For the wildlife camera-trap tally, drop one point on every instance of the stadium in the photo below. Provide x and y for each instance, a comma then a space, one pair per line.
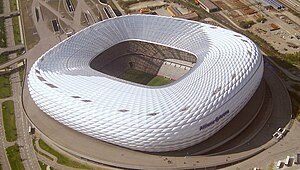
78, 82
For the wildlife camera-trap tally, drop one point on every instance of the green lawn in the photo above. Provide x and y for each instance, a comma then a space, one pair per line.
21, 74
2, 34
74, 3
3, 58
5, 87
44, 166
1, 6
61, 159
41, 153
159, 81
13, 5
31, 38
9, 120
2, 28
14, 158
54, 4
16, 29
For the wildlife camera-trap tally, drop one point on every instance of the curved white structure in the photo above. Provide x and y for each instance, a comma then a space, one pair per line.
228, 71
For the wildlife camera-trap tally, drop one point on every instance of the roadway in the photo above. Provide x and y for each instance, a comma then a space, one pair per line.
27, 154
4, 143
293, 4
24, 140
47, 42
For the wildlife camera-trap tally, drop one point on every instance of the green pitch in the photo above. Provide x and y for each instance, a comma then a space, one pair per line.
144, 78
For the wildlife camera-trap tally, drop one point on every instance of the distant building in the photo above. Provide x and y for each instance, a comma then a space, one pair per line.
274, 27
208, 5
173, 11
275, 4
264, 5
144, 11
189, 16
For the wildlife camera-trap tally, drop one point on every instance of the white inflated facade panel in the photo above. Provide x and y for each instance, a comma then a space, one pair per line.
228, 71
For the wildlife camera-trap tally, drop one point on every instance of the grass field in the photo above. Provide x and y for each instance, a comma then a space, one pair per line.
159, 81
61, 159
137, 76
2, 34
3, 58
31, 36
14, 158
16, 29
44, 166
9, 121
5, 87
21, 75
41, 153
2, 28
13, 5
144, 78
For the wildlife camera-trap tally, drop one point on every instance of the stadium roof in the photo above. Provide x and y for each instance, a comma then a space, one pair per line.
227, 72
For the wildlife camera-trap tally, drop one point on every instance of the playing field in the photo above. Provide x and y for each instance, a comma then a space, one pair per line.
144, 78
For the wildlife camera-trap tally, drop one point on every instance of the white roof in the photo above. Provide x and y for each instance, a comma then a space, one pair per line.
163, 118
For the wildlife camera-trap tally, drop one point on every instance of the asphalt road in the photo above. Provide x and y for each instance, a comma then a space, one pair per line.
27, 153
45, 43
24, 140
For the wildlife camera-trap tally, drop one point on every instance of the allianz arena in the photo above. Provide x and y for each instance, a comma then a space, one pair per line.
227, 71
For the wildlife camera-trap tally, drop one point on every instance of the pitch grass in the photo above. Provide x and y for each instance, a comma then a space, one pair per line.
14, 158
159, 81
140, 77
9, 120
5, 87
137, 76
61, 159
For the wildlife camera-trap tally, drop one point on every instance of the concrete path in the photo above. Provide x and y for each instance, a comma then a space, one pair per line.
12, 49
27, 155
92, 147
24, 139
9, 14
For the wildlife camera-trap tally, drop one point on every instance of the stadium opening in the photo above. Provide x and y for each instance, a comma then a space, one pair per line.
144, 62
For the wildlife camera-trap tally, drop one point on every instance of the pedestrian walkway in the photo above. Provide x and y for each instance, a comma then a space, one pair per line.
10, 14
12, 49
